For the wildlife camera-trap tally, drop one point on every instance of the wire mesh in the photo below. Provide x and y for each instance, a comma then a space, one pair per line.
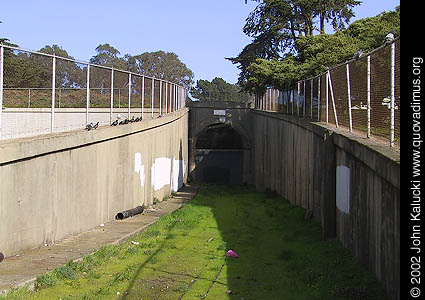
380, 92
358, 90
136, 96
100, 87
397, 93
148, 93
340, 96
27, 80
27, 83
156, 94
82, 93
120, 95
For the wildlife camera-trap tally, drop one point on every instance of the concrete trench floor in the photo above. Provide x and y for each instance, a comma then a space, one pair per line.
22, 269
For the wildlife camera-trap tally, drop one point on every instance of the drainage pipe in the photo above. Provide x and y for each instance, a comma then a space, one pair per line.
129, 213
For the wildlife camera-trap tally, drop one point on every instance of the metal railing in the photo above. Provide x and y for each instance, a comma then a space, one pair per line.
43, 93
362, 95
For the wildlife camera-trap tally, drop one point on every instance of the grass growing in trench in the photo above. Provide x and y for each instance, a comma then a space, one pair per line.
282, 256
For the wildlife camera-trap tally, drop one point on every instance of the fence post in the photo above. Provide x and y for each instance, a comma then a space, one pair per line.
52, 120
88, 94
143, 95
333, 99
311, 99
292, 105
392, 93
160, 97
350, 117
152, 95
304, 99
129, 95
1, 86
368, 96
319, 107
327, 97
166, 97
112, 96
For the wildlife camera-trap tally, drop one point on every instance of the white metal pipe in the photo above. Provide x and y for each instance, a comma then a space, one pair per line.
112, 96
152, 95
52, 120
129, 95
160, 97
333, 99
1, 86
304, 99
392, 94
318, 100
311, 99
327, 97
368, 96
88, 94
143, 95
350, 116
292, 112
166, 97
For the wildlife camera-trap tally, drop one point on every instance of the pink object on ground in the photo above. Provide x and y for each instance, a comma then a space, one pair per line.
232, 253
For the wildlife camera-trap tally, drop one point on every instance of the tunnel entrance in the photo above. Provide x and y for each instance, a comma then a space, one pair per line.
219, 155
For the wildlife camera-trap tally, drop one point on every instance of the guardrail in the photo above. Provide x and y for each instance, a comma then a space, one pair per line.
362, 94
35, 80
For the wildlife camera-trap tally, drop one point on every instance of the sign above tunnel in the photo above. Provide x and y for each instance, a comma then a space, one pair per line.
219, 112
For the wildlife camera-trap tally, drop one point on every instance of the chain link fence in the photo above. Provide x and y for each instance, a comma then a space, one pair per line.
362, 95
42, 93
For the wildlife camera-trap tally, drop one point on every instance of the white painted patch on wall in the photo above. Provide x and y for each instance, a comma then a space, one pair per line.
139, 168
161, 170
343, 188
179, 169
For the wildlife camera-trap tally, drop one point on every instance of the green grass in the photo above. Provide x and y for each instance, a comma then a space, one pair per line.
282, 256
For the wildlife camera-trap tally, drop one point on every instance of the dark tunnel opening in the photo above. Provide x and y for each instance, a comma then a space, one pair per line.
219, 155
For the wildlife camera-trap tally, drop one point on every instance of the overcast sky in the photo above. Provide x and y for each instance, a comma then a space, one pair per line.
201, 32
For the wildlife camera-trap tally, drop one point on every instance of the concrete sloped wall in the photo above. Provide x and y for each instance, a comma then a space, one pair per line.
56, 185
296, 159
351, 185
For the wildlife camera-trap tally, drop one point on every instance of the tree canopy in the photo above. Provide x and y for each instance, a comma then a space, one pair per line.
163, 65
284, 48
218, 90
25, 69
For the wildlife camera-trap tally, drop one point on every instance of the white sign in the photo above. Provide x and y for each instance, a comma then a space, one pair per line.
219, 112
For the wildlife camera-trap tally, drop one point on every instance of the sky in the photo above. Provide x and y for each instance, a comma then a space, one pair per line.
201, 32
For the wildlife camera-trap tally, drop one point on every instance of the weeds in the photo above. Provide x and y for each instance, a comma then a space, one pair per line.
282, 256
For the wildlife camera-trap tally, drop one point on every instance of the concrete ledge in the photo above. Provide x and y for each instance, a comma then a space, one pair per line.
24, 148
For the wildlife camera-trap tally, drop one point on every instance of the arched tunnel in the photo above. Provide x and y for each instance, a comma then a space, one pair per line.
219, 155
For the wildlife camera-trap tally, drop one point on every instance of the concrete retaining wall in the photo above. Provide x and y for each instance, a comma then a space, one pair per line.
56, 185
350, 184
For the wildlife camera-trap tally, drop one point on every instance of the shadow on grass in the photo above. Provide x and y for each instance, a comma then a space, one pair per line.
281, 255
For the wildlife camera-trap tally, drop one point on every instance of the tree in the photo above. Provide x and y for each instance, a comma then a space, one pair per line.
162, 65
68, 73
317, 53
218, 90
108, 56
276, 27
